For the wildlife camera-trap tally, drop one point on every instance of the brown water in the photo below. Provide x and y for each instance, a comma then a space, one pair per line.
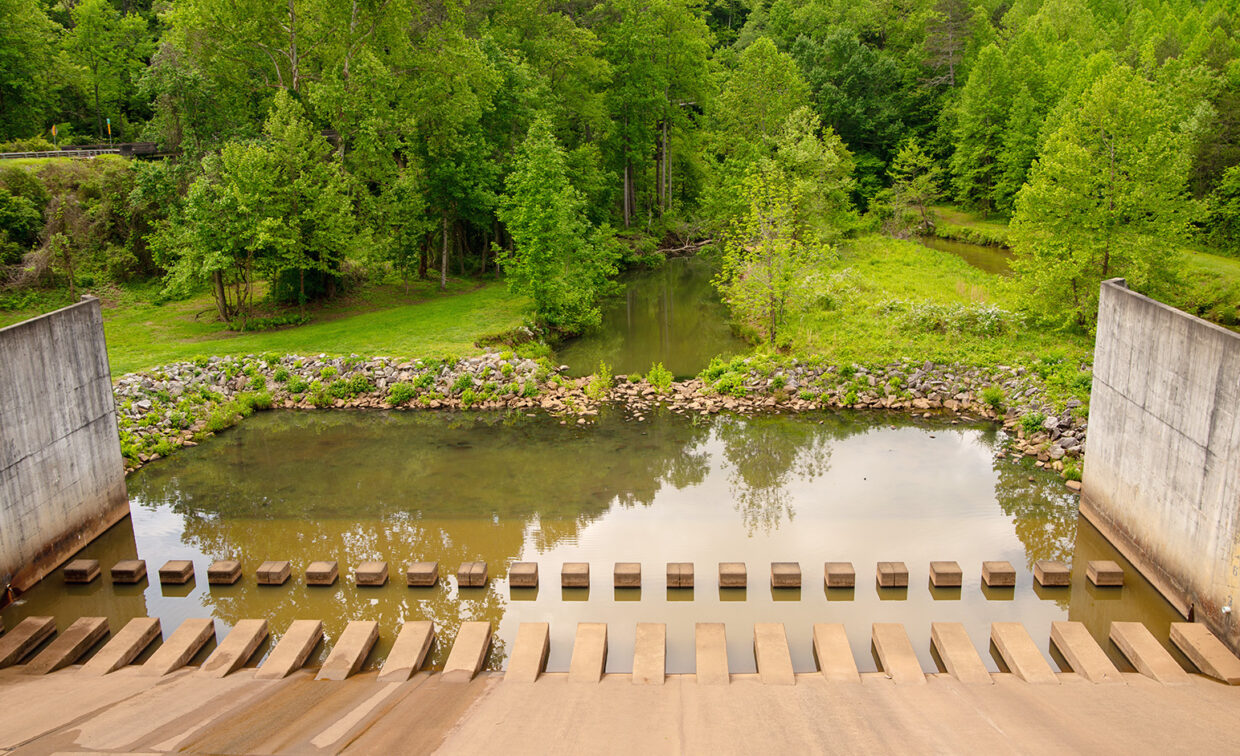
355, 486
996, 260
671, 314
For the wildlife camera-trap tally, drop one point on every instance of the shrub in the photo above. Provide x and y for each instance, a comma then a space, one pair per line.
339, 389
732, 384
659, 377
221, 417
399, 393
328, 372
360, 384
281, 375
600, 382
507, 370
258, 383
468, 397
463, 382
424, 381
254, 401
1071, 471
297, 385
530, 390
1032, 422
164, 447
992, 396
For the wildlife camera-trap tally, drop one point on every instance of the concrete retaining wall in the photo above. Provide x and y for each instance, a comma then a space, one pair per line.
1162, 471
62, 480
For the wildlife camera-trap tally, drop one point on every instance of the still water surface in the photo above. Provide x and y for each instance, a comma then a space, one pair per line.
505, 487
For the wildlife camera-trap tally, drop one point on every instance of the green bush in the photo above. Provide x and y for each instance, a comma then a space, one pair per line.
659, 378
1071, 470
992, 396
164, 447
468, 398
281, 375
600, 382
425, 380
360, 384
258, 383
399, 393
464, 381
297, 385
1032, 422
328, 372
507, 370
221, 417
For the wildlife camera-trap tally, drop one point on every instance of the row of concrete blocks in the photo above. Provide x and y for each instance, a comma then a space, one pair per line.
577, 574
891, 644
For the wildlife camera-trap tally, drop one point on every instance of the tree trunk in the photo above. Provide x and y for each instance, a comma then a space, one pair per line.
627, 209
443, 261
221, 295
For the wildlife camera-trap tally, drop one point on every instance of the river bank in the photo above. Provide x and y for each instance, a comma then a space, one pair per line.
182, 404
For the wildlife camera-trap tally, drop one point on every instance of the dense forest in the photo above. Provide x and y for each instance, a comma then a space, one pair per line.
309, 142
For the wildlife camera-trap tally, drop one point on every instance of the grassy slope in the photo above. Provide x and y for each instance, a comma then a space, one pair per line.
877, 269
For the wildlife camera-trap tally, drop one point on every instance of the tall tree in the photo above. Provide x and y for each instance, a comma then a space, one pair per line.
112, 49
981, 115
27, 50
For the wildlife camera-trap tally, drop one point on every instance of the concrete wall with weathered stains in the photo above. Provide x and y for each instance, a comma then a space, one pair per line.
1162, 472
62, 481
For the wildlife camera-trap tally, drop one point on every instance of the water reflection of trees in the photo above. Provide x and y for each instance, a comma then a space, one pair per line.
1044, 514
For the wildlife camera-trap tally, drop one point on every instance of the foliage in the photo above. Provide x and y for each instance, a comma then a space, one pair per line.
1031, 422
993, 397
916, 183
659, 378
400, 393
600, 383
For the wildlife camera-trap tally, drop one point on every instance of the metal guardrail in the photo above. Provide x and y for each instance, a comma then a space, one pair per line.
58, 153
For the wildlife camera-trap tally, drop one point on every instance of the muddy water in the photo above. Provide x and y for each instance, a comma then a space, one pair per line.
671, 314
355, 486
996, 260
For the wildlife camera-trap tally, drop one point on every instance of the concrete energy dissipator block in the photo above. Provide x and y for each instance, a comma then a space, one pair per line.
733, 575
711, 653
24, 638
946, 575
292, 651
224, 572
1051, 574
176, 572
186, 641
650, 654
835, 659
1206, 651
575, 575
124, 647
322, 573
350, 651
895, 653
998, 574
422, 574
471, 575
785, 575
523, 575
128, 571
1147, 654
680, 574
960, 658
81, 571
839, 574
529, 652
1021, 654
371, 574
69, 646
236, 648
273, 572
589, 653
468, 653
408, 652
892, 575
627, 575
770, 650
1104, 573
1083, 654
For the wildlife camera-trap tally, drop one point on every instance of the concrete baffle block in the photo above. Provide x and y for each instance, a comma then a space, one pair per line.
350, 651
81, 571
785, 575
128, 571
124, 647
176, 572
1104, 573
409, 651
422, 574
523, 575
946, 575
471, 575
69, 646
292, 650
371, 574
839, 574
26, 636
733, 575
998, 574
324, 572
650, 654
273, 572
1021, 654
469, 652
891, 575
1083, 654
711, 653
895, 653
224, 572
529, 653
236, 649
184, 643
575, 575
1141, 648
627, 575
770, 651
1051, 574
589, 653
960, 658
1206, 651
680, 574
835, 659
